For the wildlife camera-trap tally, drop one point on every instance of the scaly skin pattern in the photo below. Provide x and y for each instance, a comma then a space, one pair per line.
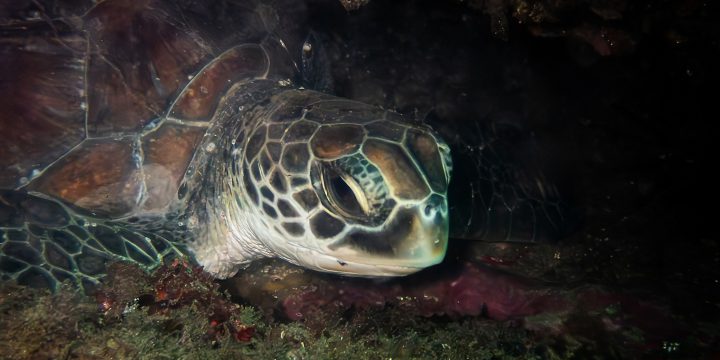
201, 147
323, 182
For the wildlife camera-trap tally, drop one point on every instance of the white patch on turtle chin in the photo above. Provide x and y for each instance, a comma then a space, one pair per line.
229, 242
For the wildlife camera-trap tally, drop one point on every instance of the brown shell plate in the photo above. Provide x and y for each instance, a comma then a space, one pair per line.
104, 105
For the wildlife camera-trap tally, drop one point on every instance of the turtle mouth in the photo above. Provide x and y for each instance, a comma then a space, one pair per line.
416, 239
346, 267
361, 266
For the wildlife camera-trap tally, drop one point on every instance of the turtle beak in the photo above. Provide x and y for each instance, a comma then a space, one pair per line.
415, 240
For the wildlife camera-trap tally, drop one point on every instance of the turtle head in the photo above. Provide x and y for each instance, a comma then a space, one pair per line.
349, 188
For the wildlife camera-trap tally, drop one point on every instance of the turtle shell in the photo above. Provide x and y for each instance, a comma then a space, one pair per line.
103, 105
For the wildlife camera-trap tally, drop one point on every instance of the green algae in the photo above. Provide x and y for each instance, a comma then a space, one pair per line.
36, 324
180, 313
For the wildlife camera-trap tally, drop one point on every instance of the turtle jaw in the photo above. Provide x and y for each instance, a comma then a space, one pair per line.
416, 240
332, 264
365, 265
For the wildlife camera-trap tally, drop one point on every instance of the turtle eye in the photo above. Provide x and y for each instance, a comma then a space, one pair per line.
344, 193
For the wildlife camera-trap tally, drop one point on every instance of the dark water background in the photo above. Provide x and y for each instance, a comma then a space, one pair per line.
626, 138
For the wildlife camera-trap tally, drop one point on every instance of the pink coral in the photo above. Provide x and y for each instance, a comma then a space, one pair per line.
478, 290
475, 290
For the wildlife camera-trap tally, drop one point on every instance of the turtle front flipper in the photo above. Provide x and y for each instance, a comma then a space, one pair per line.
44, 243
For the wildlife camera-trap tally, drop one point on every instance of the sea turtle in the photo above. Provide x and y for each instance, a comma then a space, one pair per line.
141, 130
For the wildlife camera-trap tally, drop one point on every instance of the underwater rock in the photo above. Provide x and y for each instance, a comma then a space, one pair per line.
474, 290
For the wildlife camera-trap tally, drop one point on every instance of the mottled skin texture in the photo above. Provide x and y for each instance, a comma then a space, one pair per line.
182, 139
311, 178
138, 130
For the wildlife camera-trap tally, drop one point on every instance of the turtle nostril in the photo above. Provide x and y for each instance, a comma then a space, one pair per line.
434, 209
428, 210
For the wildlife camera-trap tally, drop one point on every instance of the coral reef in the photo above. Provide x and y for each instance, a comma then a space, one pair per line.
37, 325
178, 312
174, 323
174, 286
472, 291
